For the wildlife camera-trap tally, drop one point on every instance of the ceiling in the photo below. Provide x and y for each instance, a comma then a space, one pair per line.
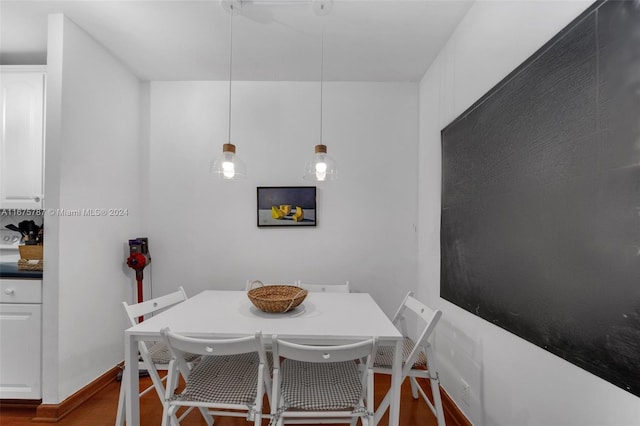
273, 40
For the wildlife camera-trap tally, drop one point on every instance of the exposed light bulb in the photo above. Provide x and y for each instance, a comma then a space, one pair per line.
321, 170
228, 170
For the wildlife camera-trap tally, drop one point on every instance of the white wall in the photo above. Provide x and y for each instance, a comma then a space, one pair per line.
203, 232
512, 381
93, 160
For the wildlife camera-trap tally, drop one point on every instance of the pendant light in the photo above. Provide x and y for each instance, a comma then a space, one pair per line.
229, 166
322, 166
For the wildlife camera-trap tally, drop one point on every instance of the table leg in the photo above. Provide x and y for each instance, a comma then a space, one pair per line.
396, 383
130, 380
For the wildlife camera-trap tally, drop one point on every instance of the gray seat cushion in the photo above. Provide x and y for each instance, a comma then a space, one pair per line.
223, 379
320, 386
384, 356
160, 353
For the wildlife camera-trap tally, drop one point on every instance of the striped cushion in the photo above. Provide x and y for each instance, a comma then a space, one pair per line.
384, 356
320, 386
224, 380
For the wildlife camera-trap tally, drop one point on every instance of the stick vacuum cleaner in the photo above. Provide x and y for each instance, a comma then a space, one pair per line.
138, 259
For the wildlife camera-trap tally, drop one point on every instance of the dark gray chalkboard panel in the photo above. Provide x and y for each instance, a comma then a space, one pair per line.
540, 228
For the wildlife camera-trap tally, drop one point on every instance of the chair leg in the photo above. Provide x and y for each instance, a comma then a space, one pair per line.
370, 420
174, 421
207, 417
173, 417
414, 388
120, 413
437, 401
165, 415
384, 405
156, 379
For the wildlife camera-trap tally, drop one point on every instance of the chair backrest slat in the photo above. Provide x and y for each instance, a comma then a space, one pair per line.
325, 288
419, 308
398, 318
154, 305
322, 354
211, 347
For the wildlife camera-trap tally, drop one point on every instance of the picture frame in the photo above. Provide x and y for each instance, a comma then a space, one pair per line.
286, 206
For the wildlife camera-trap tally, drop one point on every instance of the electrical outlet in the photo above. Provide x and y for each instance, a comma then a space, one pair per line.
465, 392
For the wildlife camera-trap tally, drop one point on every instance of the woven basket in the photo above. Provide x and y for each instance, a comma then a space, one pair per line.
31, 252
276, 298
26, 265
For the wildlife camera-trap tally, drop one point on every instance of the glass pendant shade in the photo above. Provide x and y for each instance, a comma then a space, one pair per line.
229, 166
322, 167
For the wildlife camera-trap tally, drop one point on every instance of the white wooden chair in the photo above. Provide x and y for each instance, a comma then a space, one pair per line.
322, 384
329, 288
418, 358
154, 355
230, 376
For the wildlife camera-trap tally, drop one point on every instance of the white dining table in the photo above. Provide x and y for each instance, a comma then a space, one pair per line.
333, 317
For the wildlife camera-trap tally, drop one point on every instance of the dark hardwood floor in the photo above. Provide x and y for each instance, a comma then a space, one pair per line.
100, 410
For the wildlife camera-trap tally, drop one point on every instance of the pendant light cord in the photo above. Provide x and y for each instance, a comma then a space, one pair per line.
230, 66
321, 73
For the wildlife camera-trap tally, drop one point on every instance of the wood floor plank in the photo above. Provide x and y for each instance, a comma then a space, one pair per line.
100, 410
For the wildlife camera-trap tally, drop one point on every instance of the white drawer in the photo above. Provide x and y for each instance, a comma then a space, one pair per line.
20, 291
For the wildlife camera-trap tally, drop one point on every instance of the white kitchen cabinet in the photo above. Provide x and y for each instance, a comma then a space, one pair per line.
22, 91
20, 339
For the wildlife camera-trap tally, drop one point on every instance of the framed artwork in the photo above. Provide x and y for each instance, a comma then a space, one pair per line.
286, 206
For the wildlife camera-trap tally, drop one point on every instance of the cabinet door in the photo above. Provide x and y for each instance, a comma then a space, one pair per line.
20, 349
21, 139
